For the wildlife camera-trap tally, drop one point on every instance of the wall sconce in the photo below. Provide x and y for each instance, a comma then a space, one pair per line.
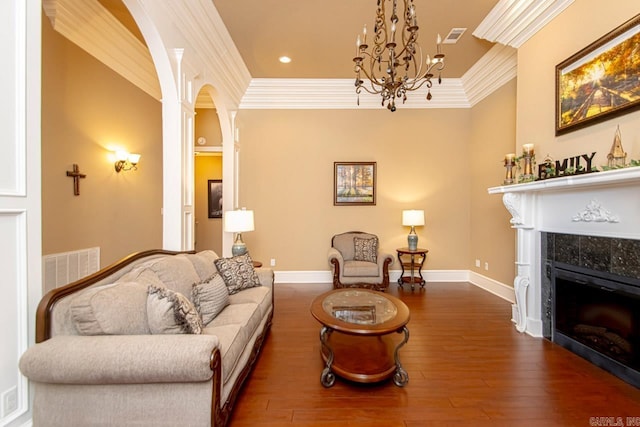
126, 161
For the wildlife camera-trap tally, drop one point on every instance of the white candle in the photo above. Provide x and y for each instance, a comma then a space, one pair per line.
509, 159
528, 149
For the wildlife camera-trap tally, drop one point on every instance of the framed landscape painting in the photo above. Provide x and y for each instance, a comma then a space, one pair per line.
354, 183
601, 81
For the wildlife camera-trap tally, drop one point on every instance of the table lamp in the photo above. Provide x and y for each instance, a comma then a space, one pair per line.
412, 218
238, 221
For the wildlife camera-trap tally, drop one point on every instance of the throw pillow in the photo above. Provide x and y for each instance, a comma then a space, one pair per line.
210, 297
116, 309
237, 272
366, 249
170, 312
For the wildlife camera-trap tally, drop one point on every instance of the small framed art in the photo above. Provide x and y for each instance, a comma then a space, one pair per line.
354, 183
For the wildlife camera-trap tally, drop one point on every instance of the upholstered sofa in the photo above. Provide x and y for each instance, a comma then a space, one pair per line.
122, 347
358, 262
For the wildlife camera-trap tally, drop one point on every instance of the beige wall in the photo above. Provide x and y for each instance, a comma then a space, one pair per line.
578, 26
207, 124
87, 110
286, 167
492, 135
208, 230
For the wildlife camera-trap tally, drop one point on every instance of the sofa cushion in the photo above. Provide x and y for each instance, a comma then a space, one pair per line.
210, 297
360, 269
115, 309
203, 263
260, 295
237, 272
233, 341
365, 249
175, 272
170, 312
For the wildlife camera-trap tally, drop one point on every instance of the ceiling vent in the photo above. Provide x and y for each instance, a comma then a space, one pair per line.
454, 35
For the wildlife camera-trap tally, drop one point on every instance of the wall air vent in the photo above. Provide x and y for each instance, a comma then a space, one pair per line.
454, 35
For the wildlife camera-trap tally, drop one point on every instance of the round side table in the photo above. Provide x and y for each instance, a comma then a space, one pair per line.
411, 262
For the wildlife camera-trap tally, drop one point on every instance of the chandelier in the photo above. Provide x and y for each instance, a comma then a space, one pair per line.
395, 68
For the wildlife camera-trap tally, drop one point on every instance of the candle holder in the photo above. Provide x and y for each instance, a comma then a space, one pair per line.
509, 163
528, 156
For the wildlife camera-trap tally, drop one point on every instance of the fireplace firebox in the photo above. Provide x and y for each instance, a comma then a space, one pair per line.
597, 315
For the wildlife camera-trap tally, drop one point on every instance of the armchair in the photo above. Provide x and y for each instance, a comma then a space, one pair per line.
357, 262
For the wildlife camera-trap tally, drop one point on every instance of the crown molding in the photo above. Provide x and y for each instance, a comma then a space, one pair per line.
203, 31
90, 26
513, 22
494, 69
318, 94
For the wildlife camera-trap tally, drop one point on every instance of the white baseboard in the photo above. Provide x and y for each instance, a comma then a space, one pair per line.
490, 285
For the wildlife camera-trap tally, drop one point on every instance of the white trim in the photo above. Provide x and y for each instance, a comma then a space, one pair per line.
319, 94
492, 71
499, 289
513, 22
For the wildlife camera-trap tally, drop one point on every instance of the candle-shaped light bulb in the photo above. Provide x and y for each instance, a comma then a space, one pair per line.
428, 59
438, 43
364, 34
393, 30
358, 45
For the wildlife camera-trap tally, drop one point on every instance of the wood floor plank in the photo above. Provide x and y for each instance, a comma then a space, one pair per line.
467, 365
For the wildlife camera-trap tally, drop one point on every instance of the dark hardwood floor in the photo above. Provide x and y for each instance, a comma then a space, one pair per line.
467, 366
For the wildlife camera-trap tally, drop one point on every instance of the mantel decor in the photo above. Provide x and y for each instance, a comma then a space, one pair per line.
354, 183
601, 81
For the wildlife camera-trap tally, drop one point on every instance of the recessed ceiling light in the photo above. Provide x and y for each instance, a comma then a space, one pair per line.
284, 59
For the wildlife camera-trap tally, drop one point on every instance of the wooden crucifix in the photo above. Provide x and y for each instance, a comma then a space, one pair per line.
76, 175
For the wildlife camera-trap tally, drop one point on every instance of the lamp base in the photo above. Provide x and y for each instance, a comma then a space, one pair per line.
238, 249
412, 241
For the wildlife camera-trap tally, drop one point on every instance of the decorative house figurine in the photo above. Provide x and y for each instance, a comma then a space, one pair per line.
617, 158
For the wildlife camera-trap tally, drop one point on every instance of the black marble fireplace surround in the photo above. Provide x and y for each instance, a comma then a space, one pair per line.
591, 299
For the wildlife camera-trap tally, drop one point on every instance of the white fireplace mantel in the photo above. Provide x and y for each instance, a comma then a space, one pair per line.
596, 204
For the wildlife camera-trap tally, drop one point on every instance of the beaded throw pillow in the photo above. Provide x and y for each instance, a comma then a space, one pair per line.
366, 249
237, 272
170, 312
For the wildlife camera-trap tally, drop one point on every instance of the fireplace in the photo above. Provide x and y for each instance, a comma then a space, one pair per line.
597, 316
583, 232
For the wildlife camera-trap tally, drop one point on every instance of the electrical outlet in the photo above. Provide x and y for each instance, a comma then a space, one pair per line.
478, 263
9, 401
273, 262
486, 266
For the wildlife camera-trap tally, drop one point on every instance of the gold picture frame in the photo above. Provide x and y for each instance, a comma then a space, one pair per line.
354, 183
601, 81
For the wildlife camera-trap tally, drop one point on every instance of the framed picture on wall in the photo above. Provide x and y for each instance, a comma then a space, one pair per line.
215, 198
601, 81
354, 183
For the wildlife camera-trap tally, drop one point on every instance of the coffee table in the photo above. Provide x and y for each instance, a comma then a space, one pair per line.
356, 337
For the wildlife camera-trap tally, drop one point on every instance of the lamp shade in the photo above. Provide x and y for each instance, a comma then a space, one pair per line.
412, 217
238, 221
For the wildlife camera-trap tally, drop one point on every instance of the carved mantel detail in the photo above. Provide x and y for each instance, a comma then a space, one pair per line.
594, 212
513, 204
